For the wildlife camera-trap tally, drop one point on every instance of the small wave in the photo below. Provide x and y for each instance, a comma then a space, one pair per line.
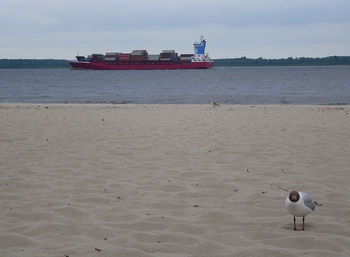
336, 104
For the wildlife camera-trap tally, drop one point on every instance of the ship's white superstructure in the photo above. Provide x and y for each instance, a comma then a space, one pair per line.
199, 51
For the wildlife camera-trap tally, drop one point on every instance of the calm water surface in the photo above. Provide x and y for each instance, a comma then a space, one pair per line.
260, 85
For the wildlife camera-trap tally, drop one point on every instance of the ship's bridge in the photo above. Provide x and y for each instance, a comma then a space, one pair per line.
199, 51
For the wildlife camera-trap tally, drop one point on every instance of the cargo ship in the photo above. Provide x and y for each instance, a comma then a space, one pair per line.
141, 60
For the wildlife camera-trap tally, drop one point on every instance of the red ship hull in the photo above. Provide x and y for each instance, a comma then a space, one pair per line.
131, 66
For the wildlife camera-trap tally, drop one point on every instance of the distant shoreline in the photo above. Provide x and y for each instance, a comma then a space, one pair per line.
299, 61
224, 62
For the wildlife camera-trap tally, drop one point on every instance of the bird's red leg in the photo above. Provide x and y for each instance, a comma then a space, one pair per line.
294, 224
303, 222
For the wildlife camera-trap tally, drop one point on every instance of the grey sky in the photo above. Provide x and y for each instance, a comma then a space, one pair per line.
233, 28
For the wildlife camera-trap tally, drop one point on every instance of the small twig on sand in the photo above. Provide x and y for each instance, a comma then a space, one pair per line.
280, 187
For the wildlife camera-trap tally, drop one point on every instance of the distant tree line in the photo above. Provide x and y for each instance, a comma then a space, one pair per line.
242, 62
34, 63
301, 61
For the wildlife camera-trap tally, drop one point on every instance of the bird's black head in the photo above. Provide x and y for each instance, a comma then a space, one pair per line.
294, 196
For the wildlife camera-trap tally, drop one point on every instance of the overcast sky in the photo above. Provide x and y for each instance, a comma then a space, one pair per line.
232, 28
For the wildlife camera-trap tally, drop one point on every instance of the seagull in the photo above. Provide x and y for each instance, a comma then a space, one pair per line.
214, 104
299, 204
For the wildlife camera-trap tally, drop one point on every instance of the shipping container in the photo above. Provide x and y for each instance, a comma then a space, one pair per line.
169, 51
186, 58
97, 56
165, 59
186, 55
112, 54
166, 55
110, 59
153, 57
138, 58
124, 57
139, 52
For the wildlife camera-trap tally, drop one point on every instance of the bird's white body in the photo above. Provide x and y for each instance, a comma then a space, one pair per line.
302, 207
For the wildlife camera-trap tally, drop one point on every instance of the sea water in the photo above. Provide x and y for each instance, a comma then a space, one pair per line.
231, 85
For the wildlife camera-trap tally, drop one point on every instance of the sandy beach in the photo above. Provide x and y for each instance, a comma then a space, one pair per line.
172, 180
